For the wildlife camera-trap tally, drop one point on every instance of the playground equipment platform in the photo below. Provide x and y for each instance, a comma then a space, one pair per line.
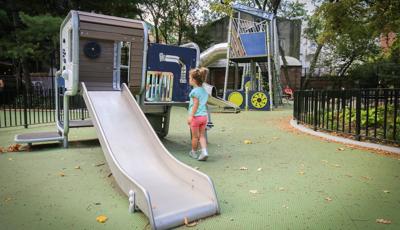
79, 123
164, 189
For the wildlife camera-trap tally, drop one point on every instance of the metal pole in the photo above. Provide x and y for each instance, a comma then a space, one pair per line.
315, 107
271, 100
253, 75
25, 101
358, 114
227, 57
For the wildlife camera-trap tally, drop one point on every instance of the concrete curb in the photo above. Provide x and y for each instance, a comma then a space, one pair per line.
344, 140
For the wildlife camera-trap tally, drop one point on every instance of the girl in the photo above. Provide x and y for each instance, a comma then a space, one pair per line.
197, 119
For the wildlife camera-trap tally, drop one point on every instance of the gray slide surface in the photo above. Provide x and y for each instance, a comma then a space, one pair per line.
164, 189
222, 105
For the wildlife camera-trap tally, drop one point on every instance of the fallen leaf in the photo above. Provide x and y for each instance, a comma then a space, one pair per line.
301, 173
259, 169
324, 161
340, 149
101, 219
383, 221
7, 199
337, 165
275, 138
77, 167
285, 206
253, 191
14, 148
243, 168
10, 159
366, 177
194, 223
281, 189
2, 150
247, 142
328, 198
100, 164
386, 191
61, 174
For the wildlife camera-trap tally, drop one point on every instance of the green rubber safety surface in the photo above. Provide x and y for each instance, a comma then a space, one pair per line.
282, 180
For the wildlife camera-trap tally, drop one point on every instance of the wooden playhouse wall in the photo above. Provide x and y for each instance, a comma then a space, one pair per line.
106, 30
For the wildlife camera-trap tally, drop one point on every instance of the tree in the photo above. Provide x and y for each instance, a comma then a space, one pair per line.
184, 12
34, 40
29, 30
350, 29
158, 10
172, 19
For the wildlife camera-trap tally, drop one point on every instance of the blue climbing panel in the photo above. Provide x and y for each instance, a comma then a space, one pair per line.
254, 43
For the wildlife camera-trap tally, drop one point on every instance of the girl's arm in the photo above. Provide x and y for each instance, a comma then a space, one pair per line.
195, 106
194, 110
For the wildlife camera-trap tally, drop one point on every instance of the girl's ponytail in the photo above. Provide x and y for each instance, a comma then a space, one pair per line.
199, 75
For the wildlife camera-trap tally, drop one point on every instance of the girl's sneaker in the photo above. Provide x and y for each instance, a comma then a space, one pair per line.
203, 156
193, 154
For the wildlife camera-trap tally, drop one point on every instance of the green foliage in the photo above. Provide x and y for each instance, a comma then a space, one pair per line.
37, 37
292, 10
367, 118
350, 29
221, 9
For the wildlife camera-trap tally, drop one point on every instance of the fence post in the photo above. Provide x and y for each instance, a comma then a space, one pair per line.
25, 98
295, 106
315, 114
299, 105
358, 114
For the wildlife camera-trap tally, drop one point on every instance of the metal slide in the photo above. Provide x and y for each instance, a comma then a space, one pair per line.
207, 57
164, 189
217, 104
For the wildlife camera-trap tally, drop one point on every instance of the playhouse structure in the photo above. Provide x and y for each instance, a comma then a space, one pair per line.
129, 86
253, 40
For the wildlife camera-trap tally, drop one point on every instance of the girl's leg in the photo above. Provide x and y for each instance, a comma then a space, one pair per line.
203, 143
195, 137
202, 138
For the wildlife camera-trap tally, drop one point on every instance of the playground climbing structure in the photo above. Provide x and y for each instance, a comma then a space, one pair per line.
253, 39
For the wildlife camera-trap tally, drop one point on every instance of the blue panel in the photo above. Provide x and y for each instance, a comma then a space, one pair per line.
60, 82
187, 55
254, 43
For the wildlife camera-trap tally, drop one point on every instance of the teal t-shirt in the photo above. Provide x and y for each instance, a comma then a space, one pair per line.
201, 94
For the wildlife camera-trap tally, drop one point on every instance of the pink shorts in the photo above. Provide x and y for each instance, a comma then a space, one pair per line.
199, 122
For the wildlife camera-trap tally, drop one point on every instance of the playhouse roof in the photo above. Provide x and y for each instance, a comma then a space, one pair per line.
253, 11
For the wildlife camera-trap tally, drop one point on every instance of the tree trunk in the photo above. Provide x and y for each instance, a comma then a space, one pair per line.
26, 74
346, 66
312, 65
156, 31
285, 69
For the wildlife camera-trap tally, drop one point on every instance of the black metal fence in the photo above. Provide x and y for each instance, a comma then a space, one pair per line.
20, 107
362, 113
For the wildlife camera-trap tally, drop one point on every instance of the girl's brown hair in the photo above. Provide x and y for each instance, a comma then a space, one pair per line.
199, 75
